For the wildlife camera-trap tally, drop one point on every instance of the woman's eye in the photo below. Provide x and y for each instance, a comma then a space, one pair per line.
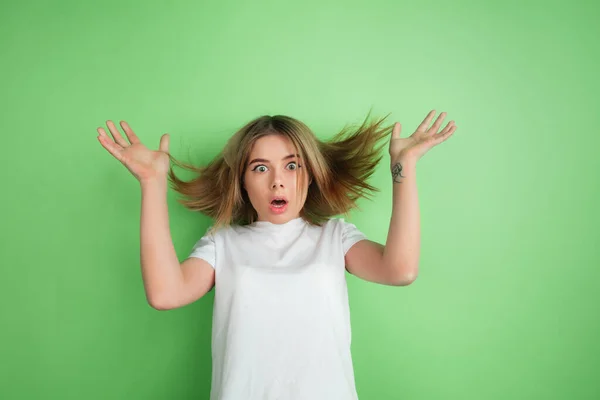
263, 168
259, 166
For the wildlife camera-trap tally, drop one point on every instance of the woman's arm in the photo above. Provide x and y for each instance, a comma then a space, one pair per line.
396, 263
167, 283
161, 270
402, 247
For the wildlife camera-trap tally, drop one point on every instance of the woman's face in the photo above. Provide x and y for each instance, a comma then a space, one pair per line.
271, 173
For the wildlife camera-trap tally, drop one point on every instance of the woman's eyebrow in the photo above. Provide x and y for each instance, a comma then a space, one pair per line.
267, 161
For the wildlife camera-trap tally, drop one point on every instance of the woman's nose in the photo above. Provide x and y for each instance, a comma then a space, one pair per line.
277, 181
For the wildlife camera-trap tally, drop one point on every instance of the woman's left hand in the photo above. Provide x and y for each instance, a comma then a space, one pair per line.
423, 139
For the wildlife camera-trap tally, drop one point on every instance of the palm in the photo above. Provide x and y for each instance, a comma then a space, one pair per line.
397, 145
142, 162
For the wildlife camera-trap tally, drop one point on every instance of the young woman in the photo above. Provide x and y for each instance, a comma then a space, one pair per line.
275, 255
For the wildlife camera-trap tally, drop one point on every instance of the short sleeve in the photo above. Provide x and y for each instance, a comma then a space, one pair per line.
350, 235
205, 248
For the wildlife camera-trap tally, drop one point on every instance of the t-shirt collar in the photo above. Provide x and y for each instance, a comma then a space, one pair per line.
270, 226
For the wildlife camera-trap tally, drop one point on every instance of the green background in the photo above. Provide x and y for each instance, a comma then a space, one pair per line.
507, 303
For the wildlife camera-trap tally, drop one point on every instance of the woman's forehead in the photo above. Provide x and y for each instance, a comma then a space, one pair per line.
273, 148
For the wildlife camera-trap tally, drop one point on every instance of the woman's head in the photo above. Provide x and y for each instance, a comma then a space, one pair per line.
274, 158
275, 180
278, 155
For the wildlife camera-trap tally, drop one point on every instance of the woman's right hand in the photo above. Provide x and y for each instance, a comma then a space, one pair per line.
143, 163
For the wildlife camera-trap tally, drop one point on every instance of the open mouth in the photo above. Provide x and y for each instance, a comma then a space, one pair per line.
278, 203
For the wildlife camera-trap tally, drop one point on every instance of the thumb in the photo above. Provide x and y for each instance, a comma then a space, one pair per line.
396, 131
164, 143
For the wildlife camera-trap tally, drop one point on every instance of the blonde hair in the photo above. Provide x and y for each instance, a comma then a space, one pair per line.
339, 168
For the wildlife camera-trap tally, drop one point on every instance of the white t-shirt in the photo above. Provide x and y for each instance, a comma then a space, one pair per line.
281, 319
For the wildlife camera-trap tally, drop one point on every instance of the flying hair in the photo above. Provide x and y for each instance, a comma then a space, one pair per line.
339, 167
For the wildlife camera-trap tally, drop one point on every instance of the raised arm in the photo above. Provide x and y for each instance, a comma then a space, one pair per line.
167, 283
